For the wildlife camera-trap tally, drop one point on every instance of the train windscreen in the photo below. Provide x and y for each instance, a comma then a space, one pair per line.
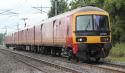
92, 22
84, 22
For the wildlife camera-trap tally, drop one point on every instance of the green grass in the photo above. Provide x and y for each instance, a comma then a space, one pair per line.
118, 50
121, 59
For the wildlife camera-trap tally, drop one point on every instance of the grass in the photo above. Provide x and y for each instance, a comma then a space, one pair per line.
121, 59
117, 52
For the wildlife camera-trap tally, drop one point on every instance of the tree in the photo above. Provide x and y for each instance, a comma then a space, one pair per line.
1, 38
62, 7
116, 8
78, 3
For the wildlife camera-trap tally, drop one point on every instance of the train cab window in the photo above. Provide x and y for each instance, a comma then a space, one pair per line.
101, 22
92, 22
84, 22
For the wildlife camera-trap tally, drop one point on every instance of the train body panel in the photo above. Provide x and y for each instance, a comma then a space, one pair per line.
38, 34
31, 36
24, 37
47, 34
9, 40
16, 38
60, 31
19, 37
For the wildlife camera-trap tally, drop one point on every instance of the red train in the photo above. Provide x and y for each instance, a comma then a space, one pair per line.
84, 33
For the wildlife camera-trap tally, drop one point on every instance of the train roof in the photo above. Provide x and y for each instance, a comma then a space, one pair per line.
88, 8
79, 9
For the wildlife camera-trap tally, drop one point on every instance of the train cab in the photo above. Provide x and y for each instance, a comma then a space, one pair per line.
91, 33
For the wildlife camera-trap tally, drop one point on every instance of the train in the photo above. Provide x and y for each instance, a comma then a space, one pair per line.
83, 34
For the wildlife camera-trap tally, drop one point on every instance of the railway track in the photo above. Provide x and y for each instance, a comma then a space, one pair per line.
103, 67
21, 60
106, 66
114, 67
37, 64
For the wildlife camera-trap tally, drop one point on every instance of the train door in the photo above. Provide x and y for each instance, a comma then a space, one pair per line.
54, 29
41, 32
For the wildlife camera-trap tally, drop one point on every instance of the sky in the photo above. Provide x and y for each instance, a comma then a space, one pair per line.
19, 9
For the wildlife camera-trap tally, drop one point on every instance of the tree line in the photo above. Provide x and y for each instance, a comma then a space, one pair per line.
116, 9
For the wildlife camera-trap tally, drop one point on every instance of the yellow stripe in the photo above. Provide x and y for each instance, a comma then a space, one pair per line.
91, 12
93, 39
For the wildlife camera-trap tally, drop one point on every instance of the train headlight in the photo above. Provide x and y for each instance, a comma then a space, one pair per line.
105, 39
81, 39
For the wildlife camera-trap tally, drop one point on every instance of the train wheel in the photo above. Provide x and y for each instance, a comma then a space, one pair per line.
97, 59
14, 48
53, 52
7, 46
75, 58
39, 50
49, 51
42, 50
46, 51
58, 51
70, 54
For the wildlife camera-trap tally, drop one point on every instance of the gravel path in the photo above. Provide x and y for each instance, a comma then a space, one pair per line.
10, 65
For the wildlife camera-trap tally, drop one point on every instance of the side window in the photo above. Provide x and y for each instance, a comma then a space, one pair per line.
27, 33
41, 26
68, 25
54, 22
67, 29
59, 22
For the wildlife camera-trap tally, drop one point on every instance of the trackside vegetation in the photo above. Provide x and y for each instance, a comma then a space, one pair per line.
1, 38
118, 52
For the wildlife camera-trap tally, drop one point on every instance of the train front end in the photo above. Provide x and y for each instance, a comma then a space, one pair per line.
91, 35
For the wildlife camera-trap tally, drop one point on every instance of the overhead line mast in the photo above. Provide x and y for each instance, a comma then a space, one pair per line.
40, 9
55, 7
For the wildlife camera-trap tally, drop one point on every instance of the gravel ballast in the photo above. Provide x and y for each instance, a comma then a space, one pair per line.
10, 65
